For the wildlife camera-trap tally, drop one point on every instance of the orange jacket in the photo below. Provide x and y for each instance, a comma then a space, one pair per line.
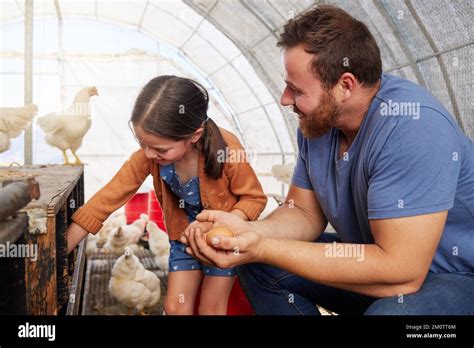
238, 188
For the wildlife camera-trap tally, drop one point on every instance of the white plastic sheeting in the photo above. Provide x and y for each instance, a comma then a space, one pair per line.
229, 46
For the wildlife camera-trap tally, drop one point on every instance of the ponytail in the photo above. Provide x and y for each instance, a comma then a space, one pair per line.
213, 145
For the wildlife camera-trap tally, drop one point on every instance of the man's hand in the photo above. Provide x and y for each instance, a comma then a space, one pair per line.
208, 219
226, 251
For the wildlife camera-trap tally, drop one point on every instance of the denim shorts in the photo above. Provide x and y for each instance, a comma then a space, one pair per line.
181, 261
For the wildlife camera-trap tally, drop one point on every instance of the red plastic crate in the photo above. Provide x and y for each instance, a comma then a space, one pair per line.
238, 302
136, 206
154, 211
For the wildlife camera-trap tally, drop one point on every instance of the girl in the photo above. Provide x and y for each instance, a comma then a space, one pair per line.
183, 149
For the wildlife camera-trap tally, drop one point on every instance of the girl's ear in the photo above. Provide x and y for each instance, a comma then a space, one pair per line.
197, 135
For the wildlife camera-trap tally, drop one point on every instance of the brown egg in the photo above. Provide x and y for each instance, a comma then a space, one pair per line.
218, 231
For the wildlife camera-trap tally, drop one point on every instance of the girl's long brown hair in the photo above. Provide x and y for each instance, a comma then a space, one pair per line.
174, 107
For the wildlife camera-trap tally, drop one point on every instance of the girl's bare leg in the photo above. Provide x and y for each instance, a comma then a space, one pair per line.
181, 292
215, 294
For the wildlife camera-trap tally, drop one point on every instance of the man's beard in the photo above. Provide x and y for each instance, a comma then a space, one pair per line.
321, 119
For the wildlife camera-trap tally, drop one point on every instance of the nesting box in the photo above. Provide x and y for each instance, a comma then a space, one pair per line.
48, 280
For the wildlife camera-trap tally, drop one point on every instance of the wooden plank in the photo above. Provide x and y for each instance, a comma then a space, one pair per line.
41, 276
62, 260
12, 174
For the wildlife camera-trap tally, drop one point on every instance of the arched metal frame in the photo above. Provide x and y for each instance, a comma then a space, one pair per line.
270, 16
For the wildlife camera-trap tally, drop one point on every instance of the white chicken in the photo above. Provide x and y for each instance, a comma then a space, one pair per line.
132, 285
127, 235
115, 220
91, 244
159, 245
65, 130
13, 121
283, 172
80, 104
97, 241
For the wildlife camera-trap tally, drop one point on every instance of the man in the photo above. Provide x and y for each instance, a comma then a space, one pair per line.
380, 159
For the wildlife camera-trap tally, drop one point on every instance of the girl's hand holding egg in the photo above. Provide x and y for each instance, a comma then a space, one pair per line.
203, 227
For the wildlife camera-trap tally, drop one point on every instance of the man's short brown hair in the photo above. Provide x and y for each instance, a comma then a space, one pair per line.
339, 42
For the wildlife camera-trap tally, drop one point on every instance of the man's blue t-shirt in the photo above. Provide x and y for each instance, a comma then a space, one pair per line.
409, 158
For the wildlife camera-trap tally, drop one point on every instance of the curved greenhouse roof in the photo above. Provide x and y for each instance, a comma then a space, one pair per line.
229, 46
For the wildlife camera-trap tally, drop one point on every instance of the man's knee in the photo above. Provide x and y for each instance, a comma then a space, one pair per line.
390, 306
248, 274
440, 294
258, 272
413, 304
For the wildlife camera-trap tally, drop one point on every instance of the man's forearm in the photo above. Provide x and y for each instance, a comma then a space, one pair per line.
240, 214
370, 272
290, 223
